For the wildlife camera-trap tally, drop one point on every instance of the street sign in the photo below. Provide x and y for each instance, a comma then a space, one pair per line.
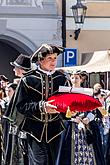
70, 57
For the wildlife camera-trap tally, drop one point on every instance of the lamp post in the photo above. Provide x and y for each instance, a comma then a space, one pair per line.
63, 27
79, 13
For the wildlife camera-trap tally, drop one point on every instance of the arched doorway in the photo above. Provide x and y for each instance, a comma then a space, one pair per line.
10, 48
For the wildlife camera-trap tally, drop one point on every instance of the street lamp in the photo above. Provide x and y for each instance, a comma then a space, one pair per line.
79, 13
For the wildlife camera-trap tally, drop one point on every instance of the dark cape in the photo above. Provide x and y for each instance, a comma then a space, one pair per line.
25, 113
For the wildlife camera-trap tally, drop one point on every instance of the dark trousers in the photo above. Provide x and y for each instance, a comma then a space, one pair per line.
42, 153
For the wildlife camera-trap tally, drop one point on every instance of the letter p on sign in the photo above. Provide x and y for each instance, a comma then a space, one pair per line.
70, 57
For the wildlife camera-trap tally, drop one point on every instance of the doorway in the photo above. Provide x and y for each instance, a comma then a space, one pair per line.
8, 53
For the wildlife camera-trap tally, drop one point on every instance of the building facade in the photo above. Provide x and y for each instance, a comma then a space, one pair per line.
94, 34
24, 26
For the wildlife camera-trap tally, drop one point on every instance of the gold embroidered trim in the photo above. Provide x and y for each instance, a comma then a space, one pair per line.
33, 136
55, 92
35, 90
57, 76
23, 123
47, 118
48, 141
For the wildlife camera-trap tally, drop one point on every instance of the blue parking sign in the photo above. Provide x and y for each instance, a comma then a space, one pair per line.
70, 57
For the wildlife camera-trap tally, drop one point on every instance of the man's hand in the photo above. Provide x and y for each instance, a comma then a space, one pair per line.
49, 108
77, 119
85, 121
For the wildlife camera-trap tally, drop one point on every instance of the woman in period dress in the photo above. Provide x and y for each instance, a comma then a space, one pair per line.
81, 144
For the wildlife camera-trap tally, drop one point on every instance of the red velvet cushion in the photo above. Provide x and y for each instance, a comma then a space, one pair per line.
76, 101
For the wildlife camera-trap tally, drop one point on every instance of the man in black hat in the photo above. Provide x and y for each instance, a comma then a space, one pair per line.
39, 118
21, 65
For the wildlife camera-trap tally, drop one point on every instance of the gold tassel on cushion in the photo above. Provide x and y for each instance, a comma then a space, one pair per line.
103, 111
68, 113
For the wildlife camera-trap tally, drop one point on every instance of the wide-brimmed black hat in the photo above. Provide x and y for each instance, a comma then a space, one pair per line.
3, 78
22, 61
44, 50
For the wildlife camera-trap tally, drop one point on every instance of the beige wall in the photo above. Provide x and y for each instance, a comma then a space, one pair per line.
93, 37
89, 41
95, 34
98, 8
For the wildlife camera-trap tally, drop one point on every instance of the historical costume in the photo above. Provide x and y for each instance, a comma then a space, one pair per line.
22, 64
29, 111
81, 145
81, 142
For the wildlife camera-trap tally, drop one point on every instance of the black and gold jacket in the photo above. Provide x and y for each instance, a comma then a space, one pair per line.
27, 109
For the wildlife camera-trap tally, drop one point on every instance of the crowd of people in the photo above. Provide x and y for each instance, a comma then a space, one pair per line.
34, 132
